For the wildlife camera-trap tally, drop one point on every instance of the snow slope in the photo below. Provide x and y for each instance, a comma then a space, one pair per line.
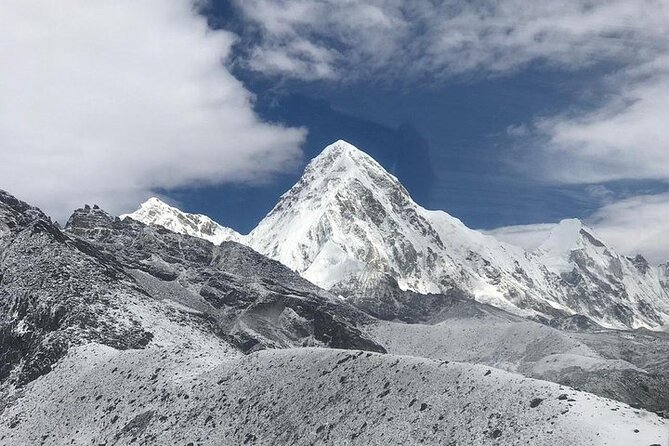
155, 212
626, 366
307, 396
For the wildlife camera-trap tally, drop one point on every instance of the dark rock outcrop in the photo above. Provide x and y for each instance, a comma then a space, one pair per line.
62, 288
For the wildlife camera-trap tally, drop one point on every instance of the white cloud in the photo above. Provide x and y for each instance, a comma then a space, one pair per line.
527, 236
103, 101
635, 225
315, 39
627, 137
423, 38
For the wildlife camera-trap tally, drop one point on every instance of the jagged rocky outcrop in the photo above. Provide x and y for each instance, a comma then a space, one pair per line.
125, 285
600, 283
256, 301
55, 292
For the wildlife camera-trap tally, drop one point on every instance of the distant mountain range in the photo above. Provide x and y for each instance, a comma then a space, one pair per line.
350, 227
350, 315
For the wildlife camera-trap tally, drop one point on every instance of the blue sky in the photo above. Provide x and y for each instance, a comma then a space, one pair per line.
502, 113
465, 123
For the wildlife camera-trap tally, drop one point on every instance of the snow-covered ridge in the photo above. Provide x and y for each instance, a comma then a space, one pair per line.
347, 224
156, 212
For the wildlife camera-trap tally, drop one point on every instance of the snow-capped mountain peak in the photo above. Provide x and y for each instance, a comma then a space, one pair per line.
156, 212
348, 223
343, 160
330, 175
342, 220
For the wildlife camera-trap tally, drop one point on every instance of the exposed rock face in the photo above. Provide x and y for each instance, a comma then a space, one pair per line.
664, 276
382, 298
96, 280
55, 292
248, 295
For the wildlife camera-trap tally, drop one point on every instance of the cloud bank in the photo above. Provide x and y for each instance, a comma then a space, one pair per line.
105, 101
627, 137
325, 39
634, 225
624, 137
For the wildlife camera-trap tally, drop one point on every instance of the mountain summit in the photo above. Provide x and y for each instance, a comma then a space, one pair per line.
156, 212
342, 219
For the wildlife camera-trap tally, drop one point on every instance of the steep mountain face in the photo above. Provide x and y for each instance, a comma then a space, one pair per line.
348, 226
55, 292
155, 212
663, 271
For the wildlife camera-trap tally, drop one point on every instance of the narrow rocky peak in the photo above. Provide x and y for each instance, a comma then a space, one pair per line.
156, 212
17, 217
345, 161
88, 217
339, 171
15, 213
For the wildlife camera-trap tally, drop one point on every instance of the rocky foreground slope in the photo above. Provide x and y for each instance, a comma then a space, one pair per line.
628, 366
121, 283
99, 395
